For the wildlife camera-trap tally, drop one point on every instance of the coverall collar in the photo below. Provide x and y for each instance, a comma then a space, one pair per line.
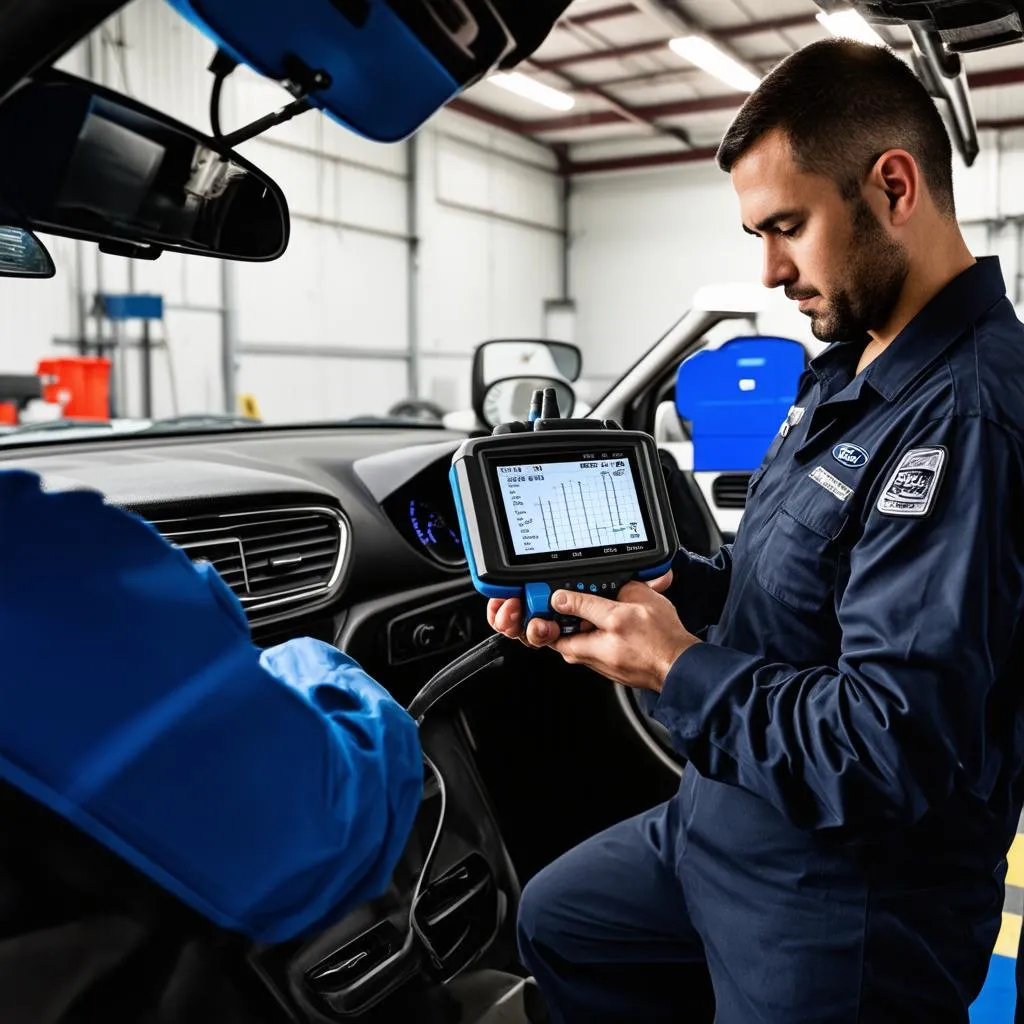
942, 320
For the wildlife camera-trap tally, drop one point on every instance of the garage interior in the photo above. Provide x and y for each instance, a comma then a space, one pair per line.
576, 199
595, 223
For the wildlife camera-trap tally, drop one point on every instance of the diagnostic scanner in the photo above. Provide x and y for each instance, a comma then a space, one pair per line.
550, 504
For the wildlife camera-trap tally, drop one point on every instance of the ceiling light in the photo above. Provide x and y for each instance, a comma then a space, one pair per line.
531, 89
702, 52
850, 25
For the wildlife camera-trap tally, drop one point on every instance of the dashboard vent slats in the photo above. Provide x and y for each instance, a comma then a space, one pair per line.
730, 490
270, 559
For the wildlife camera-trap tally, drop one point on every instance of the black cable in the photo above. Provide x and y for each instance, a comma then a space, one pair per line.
218, 83
250, 131
490, 652
222, 65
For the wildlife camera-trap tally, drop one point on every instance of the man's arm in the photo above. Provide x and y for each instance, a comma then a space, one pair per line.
700, 586
271, 793
929, 619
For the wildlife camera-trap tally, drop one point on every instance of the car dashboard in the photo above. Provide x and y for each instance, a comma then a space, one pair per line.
348, 535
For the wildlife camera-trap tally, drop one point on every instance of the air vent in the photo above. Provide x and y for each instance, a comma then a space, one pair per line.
730, 490
270, 559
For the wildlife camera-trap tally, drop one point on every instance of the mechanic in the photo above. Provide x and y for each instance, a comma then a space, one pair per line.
844, 680
270, 791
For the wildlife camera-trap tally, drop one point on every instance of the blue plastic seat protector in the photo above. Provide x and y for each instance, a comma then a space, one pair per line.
736, 397
270, 791
384, 83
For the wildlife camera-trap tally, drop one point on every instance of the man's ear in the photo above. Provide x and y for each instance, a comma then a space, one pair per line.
896, 176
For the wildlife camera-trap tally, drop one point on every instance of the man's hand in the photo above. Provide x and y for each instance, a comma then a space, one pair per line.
505, 615
634, 640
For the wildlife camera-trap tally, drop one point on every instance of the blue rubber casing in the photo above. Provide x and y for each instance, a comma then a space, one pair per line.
534, 584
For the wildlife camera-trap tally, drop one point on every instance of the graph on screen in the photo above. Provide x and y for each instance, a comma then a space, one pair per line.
570, 506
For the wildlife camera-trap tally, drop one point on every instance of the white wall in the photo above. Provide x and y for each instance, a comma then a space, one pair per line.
326, 330
491, 246
642, 242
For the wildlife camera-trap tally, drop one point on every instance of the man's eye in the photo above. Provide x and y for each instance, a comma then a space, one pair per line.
790, 232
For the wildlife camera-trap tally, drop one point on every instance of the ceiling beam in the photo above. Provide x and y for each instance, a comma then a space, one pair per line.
669, 159
616, 106
754, 28
996, 77
604, 14
1001, 124
490, 117
612, 53
730, 101
721, 35
679, 22
676, 108
638, 161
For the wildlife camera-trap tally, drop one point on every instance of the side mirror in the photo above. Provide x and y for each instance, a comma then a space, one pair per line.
526, 359
509, 399
23, 255
98, 166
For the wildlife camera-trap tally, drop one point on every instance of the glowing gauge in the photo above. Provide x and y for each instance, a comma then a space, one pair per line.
440, 539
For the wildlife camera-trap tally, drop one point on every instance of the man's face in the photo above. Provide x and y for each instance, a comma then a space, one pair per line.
829, 254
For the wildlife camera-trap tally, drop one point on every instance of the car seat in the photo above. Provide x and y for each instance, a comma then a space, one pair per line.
85, 938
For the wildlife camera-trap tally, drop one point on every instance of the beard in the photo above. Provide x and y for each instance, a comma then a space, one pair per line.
876, 268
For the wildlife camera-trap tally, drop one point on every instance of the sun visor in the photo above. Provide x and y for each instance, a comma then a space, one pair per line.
390, 64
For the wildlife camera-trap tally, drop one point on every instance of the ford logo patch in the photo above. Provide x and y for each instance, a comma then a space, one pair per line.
850, 455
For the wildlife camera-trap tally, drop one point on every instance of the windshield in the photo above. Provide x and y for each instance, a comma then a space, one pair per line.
402, 259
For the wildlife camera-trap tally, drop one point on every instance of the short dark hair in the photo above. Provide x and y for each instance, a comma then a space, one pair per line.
842, 104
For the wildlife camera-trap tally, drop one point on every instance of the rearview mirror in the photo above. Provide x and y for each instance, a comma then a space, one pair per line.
88, 163
509, 399
524, 359
23, 255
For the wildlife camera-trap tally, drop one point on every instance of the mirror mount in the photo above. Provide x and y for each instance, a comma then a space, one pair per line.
129, 250
301, 82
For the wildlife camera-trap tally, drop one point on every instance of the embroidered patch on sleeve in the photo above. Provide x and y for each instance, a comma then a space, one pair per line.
832, 484
911, 489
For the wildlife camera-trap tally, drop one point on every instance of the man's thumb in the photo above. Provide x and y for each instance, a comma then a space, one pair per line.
662, 583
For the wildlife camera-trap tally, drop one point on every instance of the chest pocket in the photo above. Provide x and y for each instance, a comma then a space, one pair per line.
799, 559
766, 462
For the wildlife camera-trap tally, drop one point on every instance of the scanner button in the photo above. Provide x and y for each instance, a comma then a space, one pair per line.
580, 586
538, 598
593, 588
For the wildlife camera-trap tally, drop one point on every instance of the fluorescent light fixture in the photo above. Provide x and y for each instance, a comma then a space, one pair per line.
702, 52
850, 25
531, 89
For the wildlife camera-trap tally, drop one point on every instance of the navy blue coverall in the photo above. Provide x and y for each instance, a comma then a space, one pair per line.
853, 723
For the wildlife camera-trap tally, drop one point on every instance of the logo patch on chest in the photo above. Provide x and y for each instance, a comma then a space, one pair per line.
832, 484
851, 455
911, 489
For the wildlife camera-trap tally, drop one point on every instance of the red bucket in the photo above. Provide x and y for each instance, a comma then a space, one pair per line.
80, 386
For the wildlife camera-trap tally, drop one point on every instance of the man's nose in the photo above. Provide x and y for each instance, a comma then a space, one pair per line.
778, 268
